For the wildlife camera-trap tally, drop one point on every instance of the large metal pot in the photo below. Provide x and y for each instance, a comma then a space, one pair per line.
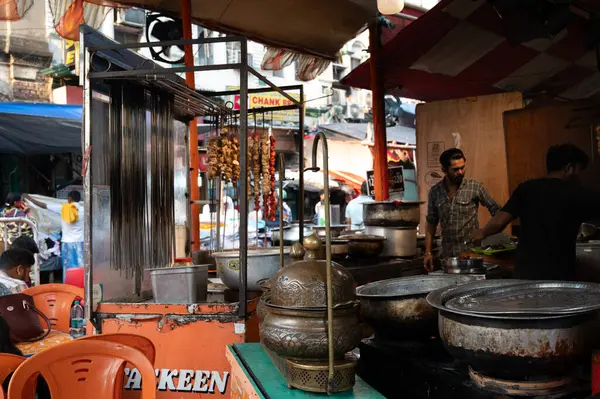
302, 334
510, 346
291, 234
399, 241
392, 213
262, 264
397, 309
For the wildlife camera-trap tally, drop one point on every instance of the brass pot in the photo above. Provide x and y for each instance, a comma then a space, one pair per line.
302, 334
303, 284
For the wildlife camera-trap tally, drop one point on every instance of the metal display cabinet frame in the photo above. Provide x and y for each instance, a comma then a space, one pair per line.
103, 59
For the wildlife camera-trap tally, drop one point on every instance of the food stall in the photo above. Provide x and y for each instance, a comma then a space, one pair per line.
137, 214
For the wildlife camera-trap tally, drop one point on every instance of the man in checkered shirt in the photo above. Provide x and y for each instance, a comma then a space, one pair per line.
454, 203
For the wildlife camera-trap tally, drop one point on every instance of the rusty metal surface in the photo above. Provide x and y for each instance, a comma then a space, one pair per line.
515, 341
542, 388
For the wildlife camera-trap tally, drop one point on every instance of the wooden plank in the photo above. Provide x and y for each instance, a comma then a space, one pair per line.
531, 131
475, 126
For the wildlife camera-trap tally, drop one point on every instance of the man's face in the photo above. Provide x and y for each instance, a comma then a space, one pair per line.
456, 171
20, 273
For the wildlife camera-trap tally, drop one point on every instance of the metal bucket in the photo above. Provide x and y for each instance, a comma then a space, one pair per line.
181, 284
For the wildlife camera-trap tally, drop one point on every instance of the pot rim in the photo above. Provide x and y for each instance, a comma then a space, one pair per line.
438, 298
341, 309
453, 280
252, 252
362, 238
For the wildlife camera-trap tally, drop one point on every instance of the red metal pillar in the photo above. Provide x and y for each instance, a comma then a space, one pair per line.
186, 18
380, 167
595, 372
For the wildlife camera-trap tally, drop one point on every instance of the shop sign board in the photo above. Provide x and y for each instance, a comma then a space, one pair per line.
395, 180
179, 380
266, 100
71, 55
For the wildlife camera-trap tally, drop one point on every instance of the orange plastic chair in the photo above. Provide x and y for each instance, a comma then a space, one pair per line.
55, 300
8, 364
138, 342
83, 369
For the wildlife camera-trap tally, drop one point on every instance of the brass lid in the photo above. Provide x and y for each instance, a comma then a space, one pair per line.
303, 283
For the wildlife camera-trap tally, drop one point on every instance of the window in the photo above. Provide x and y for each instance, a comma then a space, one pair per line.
338, 72
354, 63
233, 52
278, 73
127, 35
250, 60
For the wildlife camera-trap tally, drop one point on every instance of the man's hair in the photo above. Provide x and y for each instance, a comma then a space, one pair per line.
364, 189
14, 257
559, 156
321, 192
451, 154
11, 198
25, 242
75, 195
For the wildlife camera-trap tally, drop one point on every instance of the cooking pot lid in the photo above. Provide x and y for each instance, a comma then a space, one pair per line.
543, 298
408, 286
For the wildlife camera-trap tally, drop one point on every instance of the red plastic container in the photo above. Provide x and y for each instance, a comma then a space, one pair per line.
74, 276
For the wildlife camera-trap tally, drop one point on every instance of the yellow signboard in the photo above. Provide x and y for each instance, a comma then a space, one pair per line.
266, 100
71, 55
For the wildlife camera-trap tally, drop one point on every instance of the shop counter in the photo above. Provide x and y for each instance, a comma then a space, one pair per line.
253, 376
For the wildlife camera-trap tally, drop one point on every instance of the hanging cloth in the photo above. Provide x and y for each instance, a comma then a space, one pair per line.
309, 67
67, 15
14, 10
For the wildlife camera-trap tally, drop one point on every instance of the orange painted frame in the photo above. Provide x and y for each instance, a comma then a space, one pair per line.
190, 343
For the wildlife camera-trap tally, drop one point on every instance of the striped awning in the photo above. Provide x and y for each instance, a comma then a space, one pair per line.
460, 49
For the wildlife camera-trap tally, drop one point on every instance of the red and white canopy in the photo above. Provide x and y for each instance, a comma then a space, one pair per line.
459, 49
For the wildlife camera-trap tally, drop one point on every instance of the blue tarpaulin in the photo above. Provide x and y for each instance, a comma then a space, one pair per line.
29, 129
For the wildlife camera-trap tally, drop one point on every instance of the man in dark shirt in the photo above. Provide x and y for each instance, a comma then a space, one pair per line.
551, 210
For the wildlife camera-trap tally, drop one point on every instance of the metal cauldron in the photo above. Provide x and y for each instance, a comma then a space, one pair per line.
291, 234
262, 264
397, 309
364, 245
509, 346
392, 213
302, 333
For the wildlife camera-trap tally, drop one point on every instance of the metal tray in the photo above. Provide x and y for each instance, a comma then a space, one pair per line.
550, 297
409, 286
438, 298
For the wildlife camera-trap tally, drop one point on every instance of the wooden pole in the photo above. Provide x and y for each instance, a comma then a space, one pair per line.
380, 167
186, 18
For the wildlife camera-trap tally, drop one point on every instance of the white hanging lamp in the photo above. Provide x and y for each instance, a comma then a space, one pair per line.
390, 7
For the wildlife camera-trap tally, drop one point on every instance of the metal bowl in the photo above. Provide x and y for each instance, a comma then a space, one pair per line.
397, 309
457, 265
262, 264
334, 231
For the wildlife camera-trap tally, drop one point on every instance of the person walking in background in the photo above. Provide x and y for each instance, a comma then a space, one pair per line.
354, 210
71, 219
14, 208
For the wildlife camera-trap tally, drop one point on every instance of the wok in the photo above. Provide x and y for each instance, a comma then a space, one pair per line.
510, 346
397, 309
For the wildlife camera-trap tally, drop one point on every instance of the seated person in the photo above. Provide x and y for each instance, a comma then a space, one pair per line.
26, 242
15, 266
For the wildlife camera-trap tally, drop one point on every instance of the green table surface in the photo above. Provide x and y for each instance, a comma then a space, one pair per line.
275, 385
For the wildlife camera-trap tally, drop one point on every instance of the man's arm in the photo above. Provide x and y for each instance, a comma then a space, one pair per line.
41, 204
502, 218
486, 200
